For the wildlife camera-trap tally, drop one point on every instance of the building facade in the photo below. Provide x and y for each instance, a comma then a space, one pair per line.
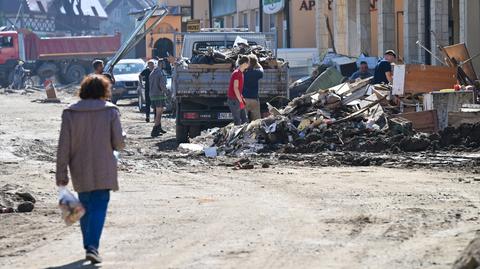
121, 20
53, 17
161, 41
293, 21
373, 26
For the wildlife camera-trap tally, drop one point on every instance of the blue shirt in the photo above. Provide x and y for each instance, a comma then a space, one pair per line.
361, 75
382, 67
250, 83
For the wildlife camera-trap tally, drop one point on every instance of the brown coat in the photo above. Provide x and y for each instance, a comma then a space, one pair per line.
90, 132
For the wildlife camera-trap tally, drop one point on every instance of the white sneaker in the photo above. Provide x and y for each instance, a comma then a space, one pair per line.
93, 257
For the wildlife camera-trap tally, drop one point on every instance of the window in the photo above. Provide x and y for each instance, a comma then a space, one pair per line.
40, 6
245, 20
6, 42
272, 21
233, 21
95, 11
257, 18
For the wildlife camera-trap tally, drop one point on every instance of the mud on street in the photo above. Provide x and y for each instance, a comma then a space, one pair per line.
178, 210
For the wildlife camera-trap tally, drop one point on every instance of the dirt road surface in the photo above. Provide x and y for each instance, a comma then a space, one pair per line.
175, 210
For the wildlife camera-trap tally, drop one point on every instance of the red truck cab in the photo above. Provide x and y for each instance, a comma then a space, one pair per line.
9, 46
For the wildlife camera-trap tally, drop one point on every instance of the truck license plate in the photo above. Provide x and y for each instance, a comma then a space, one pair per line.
225, 116
132, 92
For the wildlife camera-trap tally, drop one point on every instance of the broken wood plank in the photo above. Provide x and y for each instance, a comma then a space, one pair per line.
460, 53
424, 121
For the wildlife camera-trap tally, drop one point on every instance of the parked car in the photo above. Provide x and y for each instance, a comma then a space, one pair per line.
126, 73
141, 96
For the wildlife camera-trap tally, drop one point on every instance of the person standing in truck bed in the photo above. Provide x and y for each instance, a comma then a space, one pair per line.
235, 100
250, 88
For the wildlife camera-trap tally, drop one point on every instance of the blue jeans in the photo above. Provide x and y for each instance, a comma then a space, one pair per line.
95, 203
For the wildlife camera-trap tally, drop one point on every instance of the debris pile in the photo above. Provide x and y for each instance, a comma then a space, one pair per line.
349, 117
14, 199
266, 58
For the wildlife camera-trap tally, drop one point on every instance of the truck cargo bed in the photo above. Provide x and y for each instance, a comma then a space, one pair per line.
214, 82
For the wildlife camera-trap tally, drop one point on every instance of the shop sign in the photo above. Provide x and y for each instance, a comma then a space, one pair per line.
273, 6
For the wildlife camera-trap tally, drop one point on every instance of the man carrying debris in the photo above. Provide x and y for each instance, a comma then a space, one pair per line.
250, 88
362, 72
144, 76
383, 70
235, 101
158, 96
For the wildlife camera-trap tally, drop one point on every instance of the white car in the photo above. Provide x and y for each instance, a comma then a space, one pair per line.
126, 73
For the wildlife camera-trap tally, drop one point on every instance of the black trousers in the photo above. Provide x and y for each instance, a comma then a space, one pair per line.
148, 103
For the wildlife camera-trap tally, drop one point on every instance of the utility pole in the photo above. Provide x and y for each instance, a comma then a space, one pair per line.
260, 15
210, 16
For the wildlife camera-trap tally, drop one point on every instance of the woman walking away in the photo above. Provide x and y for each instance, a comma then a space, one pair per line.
89, 134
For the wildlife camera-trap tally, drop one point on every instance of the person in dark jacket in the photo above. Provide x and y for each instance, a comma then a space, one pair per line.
145, 77
250, 88
383, 70
90, 133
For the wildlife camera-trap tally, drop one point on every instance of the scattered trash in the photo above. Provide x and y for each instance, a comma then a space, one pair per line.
210, 152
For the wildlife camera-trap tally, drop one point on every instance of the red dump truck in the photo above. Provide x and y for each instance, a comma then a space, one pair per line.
69, 57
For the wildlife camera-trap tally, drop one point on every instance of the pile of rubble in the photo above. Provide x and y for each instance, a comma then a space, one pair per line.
349, 117
425, 108
229, 56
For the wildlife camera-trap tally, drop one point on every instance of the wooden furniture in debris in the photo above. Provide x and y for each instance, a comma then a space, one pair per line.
416, 78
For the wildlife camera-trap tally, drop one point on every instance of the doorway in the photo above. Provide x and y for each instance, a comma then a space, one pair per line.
163, 48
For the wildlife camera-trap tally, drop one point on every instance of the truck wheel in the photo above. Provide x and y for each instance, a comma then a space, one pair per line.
194, 131
181, 133
47, 70
75, 73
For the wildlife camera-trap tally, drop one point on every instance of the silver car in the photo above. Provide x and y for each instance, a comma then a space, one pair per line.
126, 73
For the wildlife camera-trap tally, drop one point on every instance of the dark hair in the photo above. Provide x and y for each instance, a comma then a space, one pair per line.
94, 87
96, 64
363, 62
253, 60
243, 60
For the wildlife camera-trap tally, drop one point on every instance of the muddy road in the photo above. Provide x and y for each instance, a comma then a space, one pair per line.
175, 210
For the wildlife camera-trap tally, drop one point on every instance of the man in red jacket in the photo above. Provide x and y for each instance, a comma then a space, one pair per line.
235, 101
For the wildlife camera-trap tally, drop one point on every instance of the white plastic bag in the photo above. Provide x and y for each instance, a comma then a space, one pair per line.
72, 209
